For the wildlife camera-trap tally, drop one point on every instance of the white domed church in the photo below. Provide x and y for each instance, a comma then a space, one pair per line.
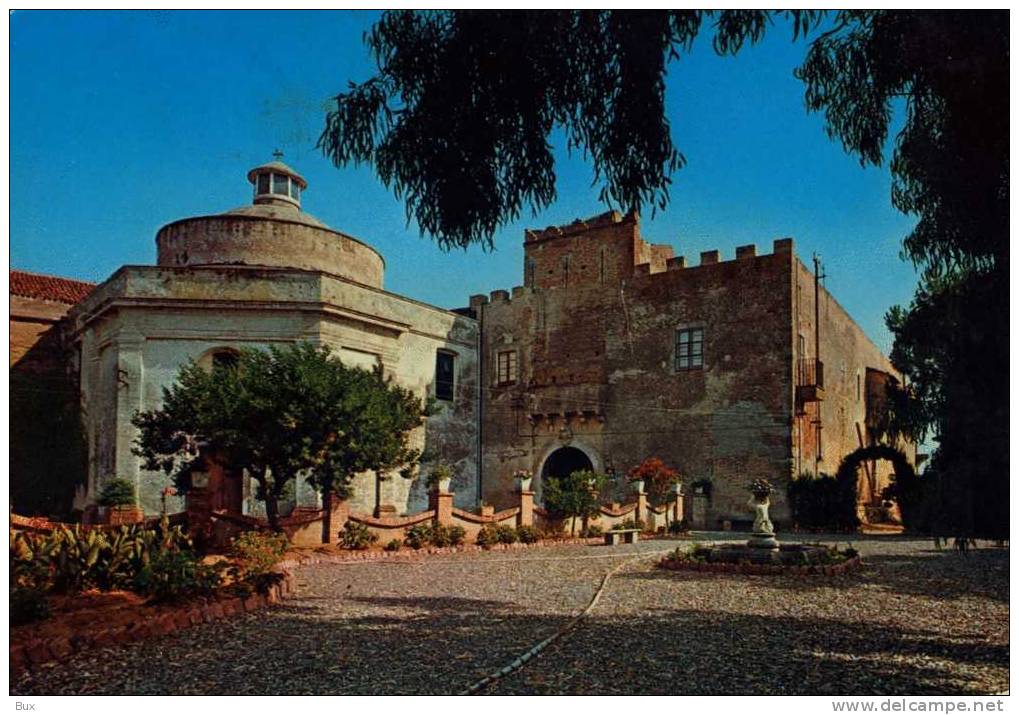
265, 274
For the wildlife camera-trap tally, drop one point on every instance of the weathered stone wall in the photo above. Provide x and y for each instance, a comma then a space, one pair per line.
847, 354
596, 361
254, 240
137, 329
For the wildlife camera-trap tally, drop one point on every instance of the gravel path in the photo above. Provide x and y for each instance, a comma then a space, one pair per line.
913, 620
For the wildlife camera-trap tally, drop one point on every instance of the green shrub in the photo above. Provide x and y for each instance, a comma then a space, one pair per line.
255, 553
418, 536
393, 545
679, 526
117, 492
174, 575
28, 605
591, 531
488, 536
448, 535
356, 536
527, 534
506, 534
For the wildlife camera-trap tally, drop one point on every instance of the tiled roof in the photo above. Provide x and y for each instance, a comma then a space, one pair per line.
44, 287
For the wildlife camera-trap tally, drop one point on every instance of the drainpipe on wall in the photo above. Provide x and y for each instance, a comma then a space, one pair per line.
481, 399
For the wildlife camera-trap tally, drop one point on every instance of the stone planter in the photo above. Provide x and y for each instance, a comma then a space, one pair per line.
638, 486
524, 484
444, 484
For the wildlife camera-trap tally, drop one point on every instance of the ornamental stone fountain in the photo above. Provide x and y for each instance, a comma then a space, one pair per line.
763, 547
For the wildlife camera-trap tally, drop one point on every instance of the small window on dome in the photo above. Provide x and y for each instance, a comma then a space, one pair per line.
280, 184
263, 183
295, 191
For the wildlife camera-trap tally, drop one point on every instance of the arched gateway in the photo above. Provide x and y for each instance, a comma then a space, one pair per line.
560, 463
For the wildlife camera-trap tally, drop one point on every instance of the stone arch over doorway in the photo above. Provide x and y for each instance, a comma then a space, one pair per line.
564, 459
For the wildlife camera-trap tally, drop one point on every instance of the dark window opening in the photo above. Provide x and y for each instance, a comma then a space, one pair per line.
690, 349
224, 360
444, 376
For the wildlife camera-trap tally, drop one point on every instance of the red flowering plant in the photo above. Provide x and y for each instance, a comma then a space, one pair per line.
658, 477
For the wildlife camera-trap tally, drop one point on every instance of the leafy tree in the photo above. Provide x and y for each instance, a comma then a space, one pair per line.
949, 169
457, 120
278, 413
574, 495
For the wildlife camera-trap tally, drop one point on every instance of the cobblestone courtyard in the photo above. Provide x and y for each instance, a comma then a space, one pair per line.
912, 620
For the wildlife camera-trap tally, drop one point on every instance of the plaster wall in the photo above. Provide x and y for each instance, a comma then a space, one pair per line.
135, 331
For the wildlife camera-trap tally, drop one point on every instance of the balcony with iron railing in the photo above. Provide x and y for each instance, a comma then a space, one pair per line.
809, 380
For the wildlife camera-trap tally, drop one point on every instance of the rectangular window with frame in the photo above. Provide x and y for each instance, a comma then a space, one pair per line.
445, 364
506, 367
690, 349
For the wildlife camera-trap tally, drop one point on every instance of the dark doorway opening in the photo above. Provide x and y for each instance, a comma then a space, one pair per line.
565, 461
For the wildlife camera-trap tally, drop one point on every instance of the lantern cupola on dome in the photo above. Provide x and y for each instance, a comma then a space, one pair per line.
276, 183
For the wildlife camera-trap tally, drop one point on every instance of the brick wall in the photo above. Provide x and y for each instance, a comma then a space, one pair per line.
595, 351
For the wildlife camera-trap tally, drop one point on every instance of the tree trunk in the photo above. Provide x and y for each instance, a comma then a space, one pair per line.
272, 511
327, 513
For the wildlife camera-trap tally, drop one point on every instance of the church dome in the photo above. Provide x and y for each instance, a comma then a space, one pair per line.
271, 231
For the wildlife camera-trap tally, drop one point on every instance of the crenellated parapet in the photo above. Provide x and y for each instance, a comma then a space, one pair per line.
500, 297
780, 246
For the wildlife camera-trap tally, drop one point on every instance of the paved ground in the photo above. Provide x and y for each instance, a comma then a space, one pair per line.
913, 620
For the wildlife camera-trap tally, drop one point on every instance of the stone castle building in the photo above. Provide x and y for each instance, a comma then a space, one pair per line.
613, 350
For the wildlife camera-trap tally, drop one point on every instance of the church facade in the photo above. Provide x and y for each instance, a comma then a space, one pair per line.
611, 351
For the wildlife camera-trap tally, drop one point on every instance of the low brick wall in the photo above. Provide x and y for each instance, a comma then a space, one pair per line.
42, 525
168, 619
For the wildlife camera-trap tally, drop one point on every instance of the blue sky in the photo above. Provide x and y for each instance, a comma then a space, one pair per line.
122, 122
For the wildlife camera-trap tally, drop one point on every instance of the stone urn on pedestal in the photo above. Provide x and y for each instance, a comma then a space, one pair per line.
523, 479
763, 536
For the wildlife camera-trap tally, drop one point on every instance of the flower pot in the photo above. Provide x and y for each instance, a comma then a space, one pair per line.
524, 483
638, 485
444, 485
677, 489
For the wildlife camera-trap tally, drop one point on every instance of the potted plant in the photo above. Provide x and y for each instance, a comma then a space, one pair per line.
523, 478
440, 477
118, 497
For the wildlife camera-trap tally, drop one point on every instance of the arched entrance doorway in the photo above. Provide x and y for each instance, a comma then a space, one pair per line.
560, 463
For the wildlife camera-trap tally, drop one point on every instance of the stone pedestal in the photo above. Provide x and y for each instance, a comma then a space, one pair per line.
442, 502
642, 511
526, 515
